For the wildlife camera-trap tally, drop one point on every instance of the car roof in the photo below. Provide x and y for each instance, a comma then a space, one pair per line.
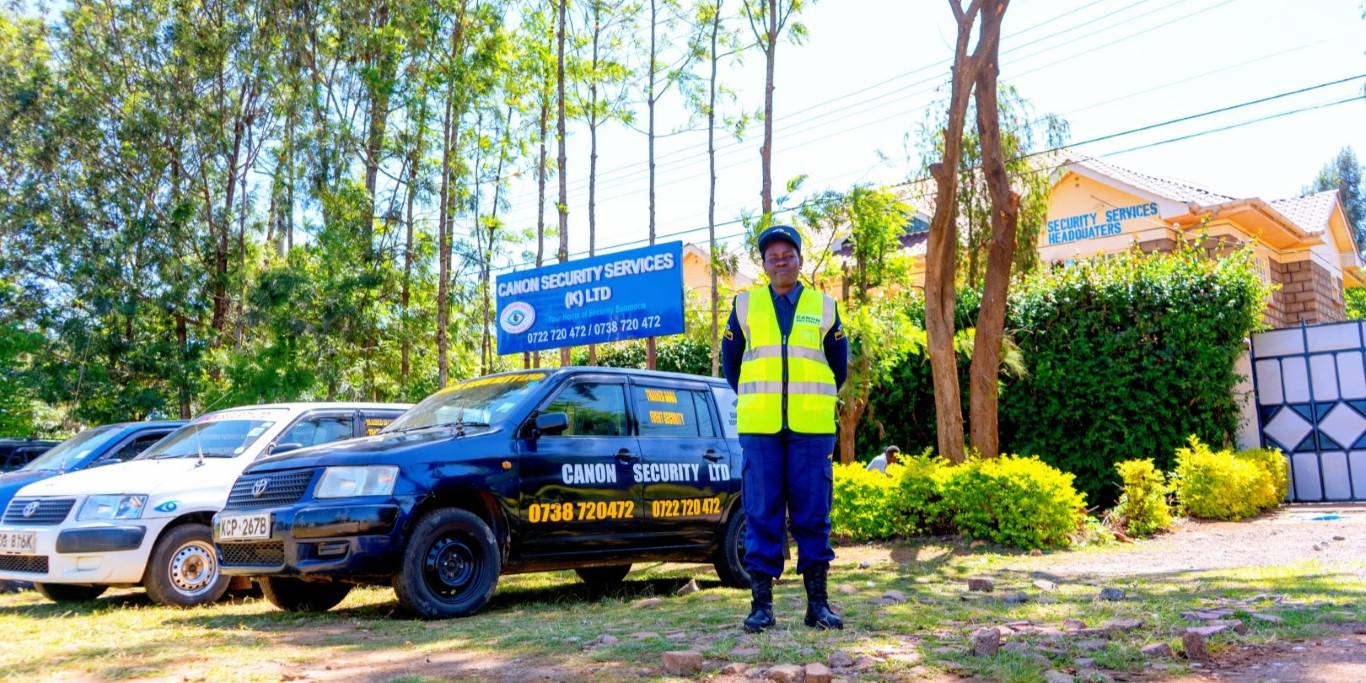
303, 406
625, 372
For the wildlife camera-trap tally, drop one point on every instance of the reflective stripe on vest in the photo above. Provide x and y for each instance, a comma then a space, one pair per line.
811, 390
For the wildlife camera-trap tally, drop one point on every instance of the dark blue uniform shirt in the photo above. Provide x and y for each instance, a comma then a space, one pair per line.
733, 341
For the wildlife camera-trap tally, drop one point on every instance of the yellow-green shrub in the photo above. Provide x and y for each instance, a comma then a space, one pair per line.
1142, 509
1013, 500
862, 502
1227, 485
918, 505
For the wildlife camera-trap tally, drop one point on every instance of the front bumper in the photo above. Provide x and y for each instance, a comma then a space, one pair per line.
97, 554
347, 539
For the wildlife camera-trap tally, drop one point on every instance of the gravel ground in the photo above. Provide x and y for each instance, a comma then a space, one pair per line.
1333, 535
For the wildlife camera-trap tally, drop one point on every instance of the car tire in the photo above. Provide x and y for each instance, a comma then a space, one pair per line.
450, 566
603, 578
730, 561
296, 595
183, 570
65, 592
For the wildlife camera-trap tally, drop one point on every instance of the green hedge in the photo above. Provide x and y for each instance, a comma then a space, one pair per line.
1126, 356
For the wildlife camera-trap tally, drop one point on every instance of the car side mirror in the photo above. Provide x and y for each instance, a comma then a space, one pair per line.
285, 447
550, 424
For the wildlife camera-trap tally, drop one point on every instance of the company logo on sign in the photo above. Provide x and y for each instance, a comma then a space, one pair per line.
517, 318
31, 509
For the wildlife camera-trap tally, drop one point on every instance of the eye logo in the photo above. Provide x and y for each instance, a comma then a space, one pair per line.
517, 318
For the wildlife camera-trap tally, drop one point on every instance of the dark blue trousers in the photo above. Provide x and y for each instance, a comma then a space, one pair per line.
787, 474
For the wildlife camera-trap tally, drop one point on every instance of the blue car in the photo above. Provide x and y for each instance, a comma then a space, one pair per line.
590, 469
104, 445
94, 447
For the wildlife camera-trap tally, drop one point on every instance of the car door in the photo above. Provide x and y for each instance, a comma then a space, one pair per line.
577, 494
684, 460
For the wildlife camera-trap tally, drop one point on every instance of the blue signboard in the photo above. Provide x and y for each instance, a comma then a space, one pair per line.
626, 295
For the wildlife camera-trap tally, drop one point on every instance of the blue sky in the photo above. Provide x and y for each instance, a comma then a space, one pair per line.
846, 99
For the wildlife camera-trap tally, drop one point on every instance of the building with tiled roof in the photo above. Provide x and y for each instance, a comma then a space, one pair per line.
1305, 244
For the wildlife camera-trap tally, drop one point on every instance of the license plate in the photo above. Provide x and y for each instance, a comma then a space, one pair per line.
17, 542
243, 527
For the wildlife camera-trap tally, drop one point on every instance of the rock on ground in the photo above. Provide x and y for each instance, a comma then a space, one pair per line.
785, 673
985, 642
818, 673
683, 663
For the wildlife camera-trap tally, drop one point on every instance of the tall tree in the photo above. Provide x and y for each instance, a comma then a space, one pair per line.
1348, 176
561, 164
768, 19
605, 79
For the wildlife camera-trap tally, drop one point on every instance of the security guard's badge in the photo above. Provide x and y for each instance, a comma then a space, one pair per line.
807, 319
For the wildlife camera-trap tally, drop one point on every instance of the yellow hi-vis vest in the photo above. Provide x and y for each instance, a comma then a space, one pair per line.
789, 373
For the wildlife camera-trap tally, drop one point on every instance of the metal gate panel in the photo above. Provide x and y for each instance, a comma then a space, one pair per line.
1310, 383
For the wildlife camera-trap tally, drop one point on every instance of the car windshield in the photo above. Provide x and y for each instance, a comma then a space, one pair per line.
67, 453
221, 436
478, 401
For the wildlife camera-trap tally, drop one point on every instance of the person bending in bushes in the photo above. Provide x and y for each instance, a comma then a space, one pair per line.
888, 457
786, 356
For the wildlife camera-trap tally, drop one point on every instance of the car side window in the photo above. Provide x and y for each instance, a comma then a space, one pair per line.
706, 422
129, 450
665, 412
319, 430
594, 409
375, 422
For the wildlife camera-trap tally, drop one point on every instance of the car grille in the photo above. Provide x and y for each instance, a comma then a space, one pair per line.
50, 512
252, 554
280, 489
29, 564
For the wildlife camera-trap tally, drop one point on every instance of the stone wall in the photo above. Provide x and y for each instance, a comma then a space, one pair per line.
1308, 294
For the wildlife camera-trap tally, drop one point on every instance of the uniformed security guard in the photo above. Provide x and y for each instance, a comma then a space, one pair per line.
786, 356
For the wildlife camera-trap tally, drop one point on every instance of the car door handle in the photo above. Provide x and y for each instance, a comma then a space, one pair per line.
712, 456
625, 455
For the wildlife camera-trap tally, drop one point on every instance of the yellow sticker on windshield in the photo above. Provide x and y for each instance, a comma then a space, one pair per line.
494, 379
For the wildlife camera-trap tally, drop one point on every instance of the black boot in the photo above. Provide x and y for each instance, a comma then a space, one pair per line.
761, 606
818, 614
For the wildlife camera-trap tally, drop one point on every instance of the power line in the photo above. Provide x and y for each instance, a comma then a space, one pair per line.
1102, 138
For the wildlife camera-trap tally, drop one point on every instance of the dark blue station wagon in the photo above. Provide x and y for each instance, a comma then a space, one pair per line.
590, 469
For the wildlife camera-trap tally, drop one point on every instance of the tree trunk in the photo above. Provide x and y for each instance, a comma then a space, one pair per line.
650, 102
711, 197
942, 249
593, 152
766, 151
445, 227
563, 204
984, 375
443, 243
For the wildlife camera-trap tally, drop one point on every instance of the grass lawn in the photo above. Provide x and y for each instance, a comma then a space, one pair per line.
551, 625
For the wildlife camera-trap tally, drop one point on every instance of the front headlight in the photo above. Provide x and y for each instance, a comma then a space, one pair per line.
112, 507
345, 482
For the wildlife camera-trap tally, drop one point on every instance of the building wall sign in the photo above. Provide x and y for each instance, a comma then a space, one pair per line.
1086, 226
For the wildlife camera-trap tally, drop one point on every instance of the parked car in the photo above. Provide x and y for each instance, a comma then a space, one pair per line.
590, 469
146, 522
15, 453
94, 447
